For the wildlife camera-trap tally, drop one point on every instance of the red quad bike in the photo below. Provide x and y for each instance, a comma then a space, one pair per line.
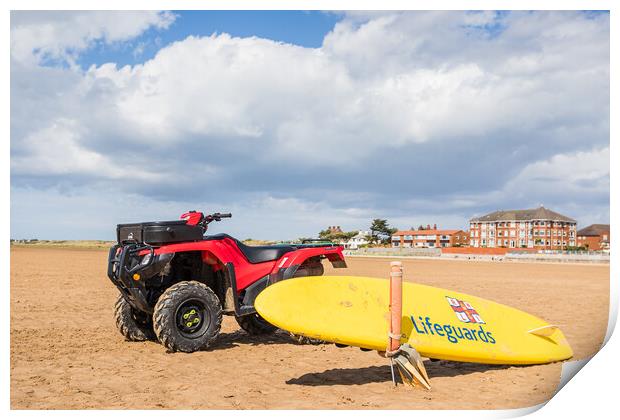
176, 284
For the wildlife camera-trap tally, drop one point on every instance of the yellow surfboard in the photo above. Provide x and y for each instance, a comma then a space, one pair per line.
438, 323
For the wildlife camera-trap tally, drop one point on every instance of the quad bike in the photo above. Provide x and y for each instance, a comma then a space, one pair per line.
175, 284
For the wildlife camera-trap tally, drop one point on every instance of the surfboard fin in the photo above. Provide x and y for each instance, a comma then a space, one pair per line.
410, 367
545, 331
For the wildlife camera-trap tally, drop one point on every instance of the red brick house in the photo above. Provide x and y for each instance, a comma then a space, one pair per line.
594, 237
429, 238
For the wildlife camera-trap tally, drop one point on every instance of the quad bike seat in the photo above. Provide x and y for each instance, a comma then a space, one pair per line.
256, 254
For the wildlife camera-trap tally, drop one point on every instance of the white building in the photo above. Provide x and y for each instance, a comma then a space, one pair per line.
357, 240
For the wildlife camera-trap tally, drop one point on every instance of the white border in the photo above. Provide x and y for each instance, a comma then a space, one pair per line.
592, 394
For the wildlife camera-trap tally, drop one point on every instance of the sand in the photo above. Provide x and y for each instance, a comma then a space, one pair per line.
67, 354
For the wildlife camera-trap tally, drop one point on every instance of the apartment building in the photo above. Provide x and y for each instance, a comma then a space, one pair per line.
538, 228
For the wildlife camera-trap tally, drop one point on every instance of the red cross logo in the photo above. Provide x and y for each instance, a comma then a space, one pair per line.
464, 311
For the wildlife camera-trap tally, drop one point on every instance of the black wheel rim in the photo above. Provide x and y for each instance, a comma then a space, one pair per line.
192, 318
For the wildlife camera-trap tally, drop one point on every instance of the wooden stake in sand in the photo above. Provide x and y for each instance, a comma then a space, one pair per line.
406, 358
396, 304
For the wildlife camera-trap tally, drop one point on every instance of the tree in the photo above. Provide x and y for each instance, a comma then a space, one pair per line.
324, 234
380, 231
338, 237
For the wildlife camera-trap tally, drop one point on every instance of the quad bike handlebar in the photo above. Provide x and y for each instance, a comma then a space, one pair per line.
215, 217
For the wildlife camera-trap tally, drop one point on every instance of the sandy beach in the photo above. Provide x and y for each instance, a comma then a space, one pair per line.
67, 354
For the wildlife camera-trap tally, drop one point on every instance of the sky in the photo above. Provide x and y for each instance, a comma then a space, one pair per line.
295, 121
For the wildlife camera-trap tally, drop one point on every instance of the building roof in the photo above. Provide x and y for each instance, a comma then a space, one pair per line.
361, 234
594, 230
540, 213
427, 232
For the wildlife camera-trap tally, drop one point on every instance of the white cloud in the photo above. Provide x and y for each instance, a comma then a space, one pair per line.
60, 35
295, 98
578, 182
56, 150
571, 174
388, 106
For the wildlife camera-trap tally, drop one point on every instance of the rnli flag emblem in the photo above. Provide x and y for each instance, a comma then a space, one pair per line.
464, 311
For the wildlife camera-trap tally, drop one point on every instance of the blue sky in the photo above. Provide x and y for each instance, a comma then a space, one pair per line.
294, 120
304, 28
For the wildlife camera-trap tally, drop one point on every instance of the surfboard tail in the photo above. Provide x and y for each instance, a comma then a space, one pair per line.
410, 367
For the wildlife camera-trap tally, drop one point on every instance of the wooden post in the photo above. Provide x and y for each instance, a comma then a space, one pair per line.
396, 304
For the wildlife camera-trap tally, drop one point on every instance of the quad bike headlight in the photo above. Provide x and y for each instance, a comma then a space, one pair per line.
146, 259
